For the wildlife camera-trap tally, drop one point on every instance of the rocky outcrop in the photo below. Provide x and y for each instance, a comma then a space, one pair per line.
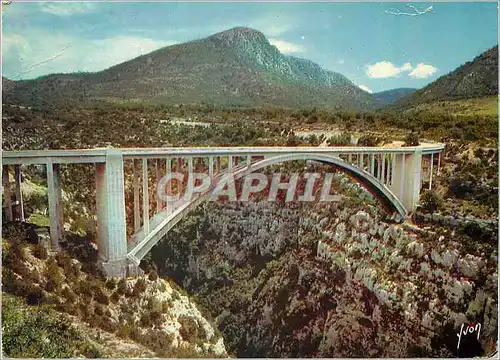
331, 280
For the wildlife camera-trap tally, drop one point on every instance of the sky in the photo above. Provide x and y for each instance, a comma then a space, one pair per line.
378, 46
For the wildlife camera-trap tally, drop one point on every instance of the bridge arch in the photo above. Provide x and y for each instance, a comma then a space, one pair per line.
367, 180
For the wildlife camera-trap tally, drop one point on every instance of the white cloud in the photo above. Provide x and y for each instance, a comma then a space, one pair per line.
341, 61
385, 69
67, 8
365, 88
406, 67
42, 53
422, 71
287, 47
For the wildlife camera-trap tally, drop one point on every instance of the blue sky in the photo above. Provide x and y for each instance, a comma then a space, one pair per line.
378, 46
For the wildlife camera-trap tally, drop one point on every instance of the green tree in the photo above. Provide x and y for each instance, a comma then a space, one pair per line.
430, 201
412, 139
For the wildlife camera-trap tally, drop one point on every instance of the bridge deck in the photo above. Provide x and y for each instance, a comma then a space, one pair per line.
99, 155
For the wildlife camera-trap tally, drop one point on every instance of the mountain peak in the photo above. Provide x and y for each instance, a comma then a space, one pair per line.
240, 33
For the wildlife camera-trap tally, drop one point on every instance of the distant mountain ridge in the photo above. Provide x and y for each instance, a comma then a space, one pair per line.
234, 67
475, 79
239, 67
393, 95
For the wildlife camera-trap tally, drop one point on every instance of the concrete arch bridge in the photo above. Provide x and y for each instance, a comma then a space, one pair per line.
393, 174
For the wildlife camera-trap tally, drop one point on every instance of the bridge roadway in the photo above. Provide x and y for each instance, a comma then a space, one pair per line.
394, 174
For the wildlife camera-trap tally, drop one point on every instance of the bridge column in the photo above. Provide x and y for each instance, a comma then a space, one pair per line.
137, 206
230, 163
180, 169
407, 174
430, 171
211, 167
19, 195
55, 205
393, 167
379, 167
190, 175
217, 165
168, 170
7, 195
439, 163
145, 196
159, 202
372, 164
382, 179
111, 223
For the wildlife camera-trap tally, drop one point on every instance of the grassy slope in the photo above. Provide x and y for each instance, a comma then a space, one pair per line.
39, 331
486, 106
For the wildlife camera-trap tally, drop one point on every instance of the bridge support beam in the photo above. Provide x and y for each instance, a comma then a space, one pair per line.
111, 224
145, 195
159, 202
407, 174
7, 195
137, 206
431, 171
19, 195
382, 173
168, 170
211, 167
55, 205
379, 166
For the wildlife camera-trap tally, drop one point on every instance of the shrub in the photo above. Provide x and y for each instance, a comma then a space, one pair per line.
63, 260
430, 201
153, 275
368, 140
189, 328
40, 334
139, 287
115, 297
339, 140
412, 139
50, 286
53, 273
111, 283
99, 310
122, 287
69, 294
16, 251
124, 330
40, 252
84, 288
101, 297
34, 295
165, 306
34, 276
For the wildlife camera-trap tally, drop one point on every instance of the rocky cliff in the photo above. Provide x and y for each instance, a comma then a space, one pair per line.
331, 280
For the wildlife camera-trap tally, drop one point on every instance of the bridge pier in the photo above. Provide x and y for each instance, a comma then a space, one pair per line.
168, 170
19, 195
111, 223
407, 173
55, 205
7, 194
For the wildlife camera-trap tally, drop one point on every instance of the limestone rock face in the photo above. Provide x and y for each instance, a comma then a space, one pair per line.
334, 281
